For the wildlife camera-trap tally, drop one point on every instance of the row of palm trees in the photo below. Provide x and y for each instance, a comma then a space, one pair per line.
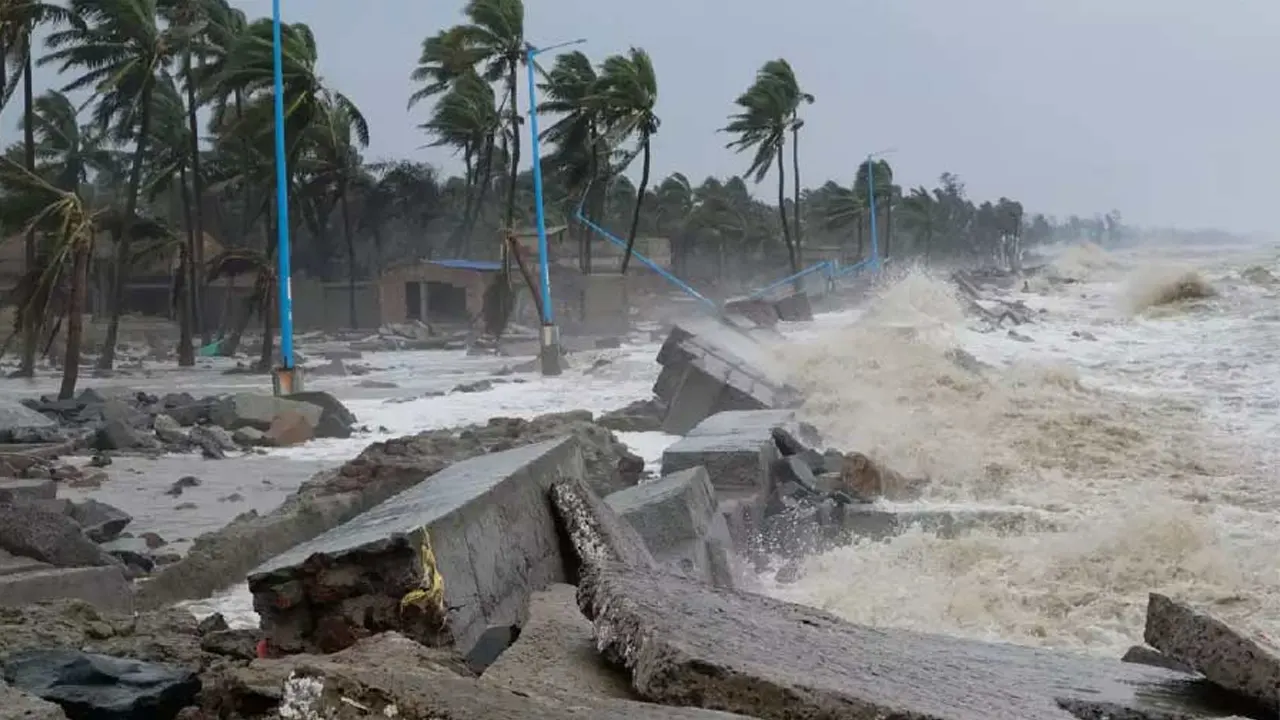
133, 175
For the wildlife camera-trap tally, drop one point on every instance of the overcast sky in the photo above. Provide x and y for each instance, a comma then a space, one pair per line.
1164, 109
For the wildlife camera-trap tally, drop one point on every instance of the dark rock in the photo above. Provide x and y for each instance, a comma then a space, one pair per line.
1232, 659
684, 643
133, 552
213, 623
210, 444
153, 540
48, 537
101, 522
473, 387
440, 562
240, 644
639, 416
100, 461
792, 469
182, 483
336, 421
99, 687
23, 706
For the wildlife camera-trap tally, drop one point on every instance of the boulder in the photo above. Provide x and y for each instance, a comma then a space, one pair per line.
15, 418
169, 430
119, 434
48, 537
709, 366
15, 490
336, 421
19, 705
101, 522
1236, 660
289, 428
249, 436
99, 687
255, 410
104, 587
865, 478
679, 519
685, 643
440, 562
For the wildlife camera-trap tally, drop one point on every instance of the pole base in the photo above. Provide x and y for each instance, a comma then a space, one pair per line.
286, 381
550, 355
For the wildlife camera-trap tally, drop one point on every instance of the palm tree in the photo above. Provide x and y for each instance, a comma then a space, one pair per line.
466, 117
494, 32
920, 218
56, 290
579, 157
18, 22
628, 91
120, 46
67, 152
236, 262
766, 112
335, 162
446, 56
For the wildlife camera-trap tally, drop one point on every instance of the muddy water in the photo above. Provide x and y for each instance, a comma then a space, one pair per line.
1145, 427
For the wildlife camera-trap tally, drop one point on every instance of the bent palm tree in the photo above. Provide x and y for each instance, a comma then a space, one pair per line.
628, 91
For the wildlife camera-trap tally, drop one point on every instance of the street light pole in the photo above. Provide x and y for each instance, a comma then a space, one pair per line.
549, 351
287, 379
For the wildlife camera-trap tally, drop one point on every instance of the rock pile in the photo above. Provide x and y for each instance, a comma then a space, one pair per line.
121, 420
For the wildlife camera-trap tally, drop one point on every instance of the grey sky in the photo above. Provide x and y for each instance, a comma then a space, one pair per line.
1165, 109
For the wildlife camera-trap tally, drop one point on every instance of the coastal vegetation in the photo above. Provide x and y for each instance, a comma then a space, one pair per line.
170, 139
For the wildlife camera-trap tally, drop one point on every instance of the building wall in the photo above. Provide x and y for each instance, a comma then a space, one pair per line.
391, 295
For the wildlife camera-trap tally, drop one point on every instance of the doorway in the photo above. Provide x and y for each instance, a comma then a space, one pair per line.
413, 301
447, 303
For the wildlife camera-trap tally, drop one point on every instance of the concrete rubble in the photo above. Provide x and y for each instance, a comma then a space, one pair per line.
709, 366
684, 643
1230, 658
439, 562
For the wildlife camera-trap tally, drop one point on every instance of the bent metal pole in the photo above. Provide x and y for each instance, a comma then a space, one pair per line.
285, 380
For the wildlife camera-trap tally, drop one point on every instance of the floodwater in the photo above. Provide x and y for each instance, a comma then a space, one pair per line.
1143, 427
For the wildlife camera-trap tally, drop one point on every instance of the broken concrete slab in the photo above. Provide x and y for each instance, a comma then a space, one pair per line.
678, 517
792, 435
793, 307
757, 311
14, 489
556, 653
440, 562
733, 462
1144, 655
684, 643
101, 522
106, 588
1228, 657
11, 564
595, 532
721, 368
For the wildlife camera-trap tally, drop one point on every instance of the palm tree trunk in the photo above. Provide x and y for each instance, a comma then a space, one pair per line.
266, 359
30, 334
197, 187
782, 213
107, 359
470, 189
351, 257
515, 143
795, 187
186, 291
482, 192
635, 215
888, 222
75, 321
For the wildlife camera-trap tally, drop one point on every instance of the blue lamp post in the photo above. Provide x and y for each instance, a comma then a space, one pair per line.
871, 204
549, 348
286, 379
